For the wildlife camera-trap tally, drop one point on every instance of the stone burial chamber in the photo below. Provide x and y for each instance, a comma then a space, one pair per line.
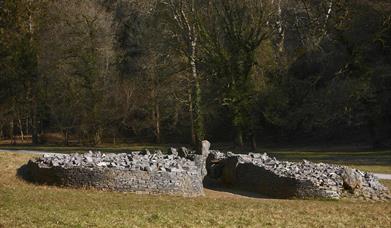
182, 172
282, 179
140, 172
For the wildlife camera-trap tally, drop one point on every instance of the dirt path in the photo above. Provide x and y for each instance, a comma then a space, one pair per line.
224, 193
382, 176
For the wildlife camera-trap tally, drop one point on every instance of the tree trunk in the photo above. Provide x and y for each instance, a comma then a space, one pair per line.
79, 138
66, 137
176, 115
198, 120
34, 105
34, 126
239, 137
156, 106
12, 137
280, 27
192, 130
21, 130
253, 142
27, 126
98, 136
157, 122
329, 11
182, 17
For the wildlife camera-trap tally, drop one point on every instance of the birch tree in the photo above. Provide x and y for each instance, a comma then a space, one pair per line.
184, 16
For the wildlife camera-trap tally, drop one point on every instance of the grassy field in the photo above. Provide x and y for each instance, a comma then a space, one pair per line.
27, 205
121, 148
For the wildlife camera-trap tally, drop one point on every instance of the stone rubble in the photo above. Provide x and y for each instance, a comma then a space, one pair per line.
183, 171
176, 173
143, 160
332, 181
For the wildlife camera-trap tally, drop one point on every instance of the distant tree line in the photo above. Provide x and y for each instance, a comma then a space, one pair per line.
241, 71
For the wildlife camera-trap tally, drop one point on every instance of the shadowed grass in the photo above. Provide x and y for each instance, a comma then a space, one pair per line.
25, 205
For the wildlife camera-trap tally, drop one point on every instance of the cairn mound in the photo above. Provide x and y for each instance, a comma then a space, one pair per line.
283, 179
182, 172
140, 172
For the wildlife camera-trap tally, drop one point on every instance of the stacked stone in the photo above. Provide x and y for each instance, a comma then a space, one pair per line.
181, 172
144, 161
310, 179
140, 172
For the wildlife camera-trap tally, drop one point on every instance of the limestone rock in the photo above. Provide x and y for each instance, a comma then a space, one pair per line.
135, 172
182, 171
145, 152
352, 180
183, 152
205, 148
263, 174
173, 151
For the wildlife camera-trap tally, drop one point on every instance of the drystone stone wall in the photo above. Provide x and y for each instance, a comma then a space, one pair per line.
140, 172
282, 179
182, 171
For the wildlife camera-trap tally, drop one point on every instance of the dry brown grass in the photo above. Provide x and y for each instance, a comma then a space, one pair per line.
25, 205
387, 183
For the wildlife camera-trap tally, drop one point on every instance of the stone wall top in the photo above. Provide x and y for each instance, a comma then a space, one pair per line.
309, 179
140, 172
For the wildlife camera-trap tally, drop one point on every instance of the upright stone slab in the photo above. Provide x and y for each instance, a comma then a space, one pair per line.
201, 161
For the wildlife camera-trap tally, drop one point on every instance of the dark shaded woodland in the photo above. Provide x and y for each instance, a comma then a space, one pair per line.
179, 71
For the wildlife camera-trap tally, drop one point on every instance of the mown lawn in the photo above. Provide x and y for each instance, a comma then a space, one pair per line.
27, 205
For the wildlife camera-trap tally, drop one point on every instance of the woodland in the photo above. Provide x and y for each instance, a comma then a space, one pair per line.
244, 72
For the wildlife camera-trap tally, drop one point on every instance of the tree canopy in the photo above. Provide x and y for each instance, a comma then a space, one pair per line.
240, 71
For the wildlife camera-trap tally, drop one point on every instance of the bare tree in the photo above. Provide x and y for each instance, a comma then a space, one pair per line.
232, 32
184, 14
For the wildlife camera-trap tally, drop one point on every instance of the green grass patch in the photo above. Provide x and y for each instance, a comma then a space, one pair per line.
27, 205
